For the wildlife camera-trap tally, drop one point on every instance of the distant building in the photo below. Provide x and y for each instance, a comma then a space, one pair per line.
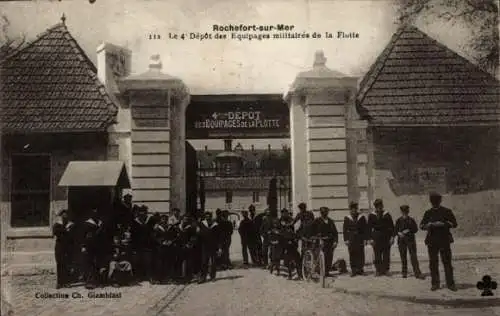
235, 178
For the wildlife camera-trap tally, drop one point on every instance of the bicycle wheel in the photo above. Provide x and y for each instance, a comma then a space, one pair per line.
322, 269
307, 265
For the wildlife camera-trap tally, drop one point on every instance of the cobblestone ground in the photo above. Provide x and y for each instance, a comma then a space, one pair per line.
255, 292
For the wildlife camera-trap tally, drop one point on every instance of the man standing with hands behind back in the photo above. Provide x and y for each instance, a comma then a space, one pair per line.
437, 221
381, 227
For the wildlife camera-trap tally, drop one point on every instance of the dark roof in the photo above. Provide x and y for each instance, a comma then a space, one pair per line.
52, 86
249, 157
418, 81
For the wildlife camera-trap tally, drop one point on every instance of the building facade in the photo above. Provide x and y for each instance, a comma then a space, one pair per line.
423, 118
434, 120
237, 177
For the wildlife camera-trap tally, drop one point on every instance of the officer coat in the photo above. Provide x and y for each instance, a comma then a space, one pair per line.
355, 229
211, 235
381, 228
142, 234
439, 235
325, 228
92, 233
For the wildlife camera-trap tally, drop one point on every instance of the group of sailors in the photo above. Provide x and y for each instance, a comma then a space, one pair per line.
133, 245
270, 239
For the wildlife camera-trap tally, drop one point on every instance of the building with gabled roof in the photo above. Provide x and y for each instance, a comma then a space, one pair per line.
434, 117
417, 81
52, 86
54, 109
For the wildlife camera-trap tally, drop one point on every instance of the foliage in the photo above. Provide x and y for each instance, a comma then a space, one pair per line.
480, 16
8, 45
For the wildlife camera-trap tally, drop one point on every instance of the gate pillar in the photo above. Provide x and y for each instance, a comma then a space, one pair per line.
323, 143
158, 104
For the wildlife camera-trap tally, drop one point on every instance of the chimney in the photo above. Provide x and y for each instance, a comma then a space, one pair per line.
113, 62
228, 144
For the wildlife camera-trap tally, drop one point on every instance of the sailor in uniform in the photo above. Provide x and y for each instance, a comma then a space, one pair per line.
142, 244
210, 234
381, 227
188, 230
92, 229
63, 231
355, 236
162, 247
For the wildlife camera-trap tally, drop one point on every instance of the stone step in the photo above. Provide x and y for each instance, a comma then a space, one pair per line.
30, 257
30, 244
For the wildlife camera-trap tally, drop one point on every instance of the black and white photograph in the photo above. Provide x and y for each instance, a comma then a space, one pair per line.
267, 157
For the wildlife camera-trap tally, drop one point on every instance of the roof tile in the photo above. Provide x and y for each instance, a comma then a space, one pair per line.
418, 81
51, 85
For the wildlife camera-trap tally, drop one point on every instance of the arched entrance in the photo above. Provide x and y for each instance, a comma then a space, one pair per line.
235, 161
330, 158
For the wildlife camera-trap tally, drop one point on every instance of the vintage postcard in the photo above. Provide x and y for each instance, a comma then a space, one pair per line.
267, 157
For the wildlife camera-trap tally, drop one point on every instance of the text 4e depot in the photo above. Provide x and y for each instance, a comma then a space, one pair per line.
197, 36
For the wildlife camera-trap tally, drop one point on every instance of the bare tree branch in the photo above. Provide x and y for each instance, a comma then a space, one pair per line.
480, 16
9, 45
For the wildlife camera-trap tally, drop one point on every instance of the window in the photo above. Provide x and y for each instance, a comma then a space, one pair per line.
30, 194
255, 197
229, 197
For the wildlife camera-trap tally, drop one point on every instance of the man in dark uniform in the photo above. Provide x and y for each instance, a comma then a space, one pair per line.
255, 237
227, 233
324, 226
438, 221
355, 235
406, 228
174, 245
161, 253
269, 221
63, 230
142, 244
188, 230
211, 243
123, 210
305, 218
258, 221
92, 232
246, 231
381, 227
290, 244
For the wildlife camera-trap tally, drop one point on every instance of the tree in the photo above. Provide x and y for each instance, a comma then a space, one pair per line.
8, 45
479, 16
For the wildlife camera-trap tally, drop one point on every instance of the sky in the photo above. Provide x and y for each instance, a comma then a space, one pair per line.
226, 66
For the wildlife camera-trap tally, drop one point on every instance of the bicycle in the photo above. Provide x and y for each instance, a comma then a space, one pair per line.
313, 262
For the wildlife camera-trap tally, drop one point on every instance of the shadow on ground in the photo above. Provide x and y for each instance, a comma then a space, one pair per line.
479, 302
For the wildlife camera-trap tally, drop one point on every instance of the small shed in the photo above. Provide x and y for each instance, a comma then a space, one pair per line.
94, 184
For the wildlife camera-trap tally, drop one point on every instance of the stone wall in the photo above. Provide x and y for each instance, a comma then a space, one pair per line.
470, 184
34, 245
